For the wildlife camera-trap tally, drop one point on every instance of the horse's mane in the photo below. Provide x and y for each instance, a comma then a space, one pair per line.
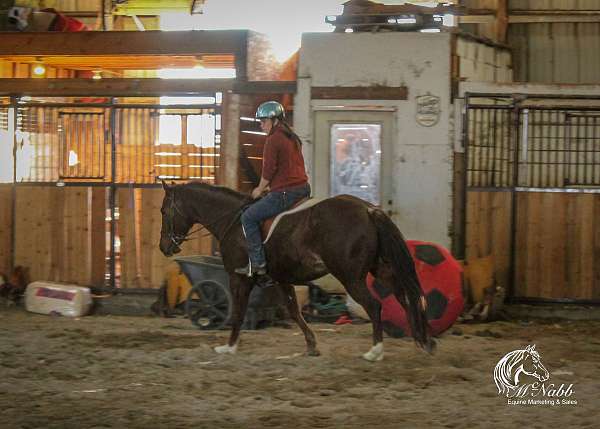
504, 370
217, 189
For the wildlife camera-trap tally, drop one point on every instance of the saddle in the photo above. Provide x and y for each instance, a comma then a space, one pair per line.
269, 225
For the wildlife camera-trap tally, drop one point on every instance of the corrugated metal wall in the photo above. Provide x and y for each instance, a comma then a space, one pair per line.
555, 52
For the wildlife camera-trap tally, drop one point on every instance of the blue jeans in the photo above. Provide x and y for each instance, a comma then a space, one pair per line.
270, 205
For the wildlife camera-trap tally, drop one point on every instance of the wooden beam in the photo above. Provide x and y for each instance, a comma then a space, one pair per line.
502, 21
547, 18
534, 17
359, 93
265, 87
112, 87
124, 43
124, 87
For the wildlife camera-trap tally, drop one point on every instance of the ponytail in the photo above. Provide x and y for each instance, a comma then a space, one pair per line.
289, 132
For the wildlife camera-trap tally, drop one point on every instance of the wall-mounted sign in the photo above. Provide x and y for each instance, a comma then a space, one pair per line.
428, 110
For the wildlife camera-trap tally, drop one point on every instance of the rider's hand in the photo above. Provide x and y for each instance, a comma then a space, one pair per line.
256, 192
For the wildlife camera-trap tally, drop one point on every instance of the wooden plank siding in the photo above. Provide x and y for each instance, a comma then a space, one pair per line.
557, 241
488, 230
53, 234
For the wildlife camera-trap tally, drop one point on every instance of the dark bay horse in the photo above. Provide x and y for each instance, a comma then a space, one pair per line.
342, 235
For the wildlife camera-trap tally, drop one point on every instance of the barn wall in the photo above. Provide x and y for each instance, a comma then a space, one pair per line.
558, 241
479, 62
54, 235
556, 52
558, 237
61, 234
423, 63
488, 231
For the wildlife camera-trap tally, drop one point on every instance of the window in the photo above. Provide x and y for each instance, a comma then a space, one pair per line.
356, 160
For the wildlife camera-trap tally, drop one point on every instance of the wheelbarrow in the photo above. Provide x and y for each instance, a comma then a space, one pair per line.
209, 302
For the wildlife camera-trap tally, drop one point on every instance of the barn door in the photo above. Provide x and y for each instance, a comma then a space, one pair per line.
353, 155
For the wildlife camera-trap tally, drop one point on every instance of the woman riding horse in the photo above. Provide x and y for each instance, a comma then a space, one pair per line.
343, 236
284, 173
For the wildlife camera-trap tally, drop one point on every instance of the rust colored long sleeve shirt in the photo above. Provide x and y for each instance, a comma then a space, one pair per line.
283, 163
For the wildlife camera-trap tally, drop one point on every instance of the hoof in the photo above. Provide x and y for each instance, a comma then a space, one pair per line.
375, 354
226, 349
313, 352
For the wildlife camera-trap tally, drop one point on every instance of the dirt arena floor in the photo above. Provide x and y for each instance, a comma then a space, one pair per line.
137, 372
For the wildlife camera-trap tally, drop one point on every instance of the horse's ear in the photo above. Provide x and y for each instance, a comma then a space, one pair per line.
165, 186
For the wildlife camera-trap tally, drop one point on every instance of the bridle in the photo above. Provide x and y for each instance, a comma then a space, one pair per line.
177, 239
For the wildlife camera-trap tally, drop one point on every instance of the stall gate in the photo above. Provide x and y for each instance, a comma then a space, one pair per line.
79, 196
532, 186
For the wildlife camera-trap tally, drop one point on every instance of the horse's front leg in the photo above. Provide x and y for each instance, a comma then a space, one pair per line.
240, 292
296, 315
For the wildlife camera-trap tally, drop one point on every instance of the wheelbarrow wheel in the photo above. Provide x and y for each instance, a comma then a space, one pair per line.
208, 305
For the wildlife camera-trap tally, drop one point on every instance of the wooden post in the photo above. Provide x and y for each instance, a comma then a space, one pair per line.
230, 145
97, 220
501, 20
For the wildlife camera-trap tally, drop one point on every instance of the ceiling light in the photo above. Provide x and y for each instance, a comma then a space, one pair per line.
97, 75
406, 20
39, 69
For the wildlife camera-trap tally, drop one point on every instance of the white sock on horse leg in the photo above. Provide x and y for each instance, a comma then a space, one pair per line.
375, 354
226, 349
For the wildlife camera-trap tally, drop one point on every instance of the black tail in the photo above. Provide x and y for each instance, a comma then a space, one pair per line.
407, 289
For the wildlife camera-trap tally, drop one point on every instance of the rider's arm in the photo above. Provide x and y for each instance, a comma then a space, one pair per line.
269, 167
260, 189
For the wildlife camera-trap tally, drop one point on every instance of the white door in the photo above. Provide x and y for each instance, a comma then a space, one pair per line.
353, 155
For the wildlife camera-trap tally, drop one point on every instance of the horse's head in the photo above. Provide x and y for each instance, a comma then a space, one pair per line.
532, 365
175, 223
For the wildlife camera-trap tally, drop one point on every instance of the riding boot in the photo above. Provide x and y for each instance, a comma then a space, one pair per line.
264, 281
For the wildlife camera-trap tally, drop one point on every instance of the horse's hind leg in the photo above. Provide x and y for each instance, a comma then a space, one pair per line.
240, 292
292, 306
359, 293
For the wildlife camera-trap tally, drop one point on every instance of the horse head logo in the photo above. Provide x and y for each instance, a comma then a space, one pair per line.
510, 367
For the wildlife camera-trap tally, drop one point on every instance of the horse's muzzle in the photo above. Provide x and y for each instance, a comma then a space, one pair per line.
170, 249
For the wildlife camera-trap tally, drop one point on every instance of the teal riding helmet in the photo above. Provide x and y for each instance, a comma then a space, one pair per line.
269, 110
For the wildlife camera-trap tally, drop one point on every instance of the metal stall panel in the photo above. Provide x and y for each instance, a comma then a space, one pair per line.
38, 144
82, 144
169, 143
489, 177
532, 195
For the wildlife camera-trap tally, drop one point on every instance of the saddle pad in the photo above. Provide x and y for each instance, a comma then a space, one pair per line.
304, 205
